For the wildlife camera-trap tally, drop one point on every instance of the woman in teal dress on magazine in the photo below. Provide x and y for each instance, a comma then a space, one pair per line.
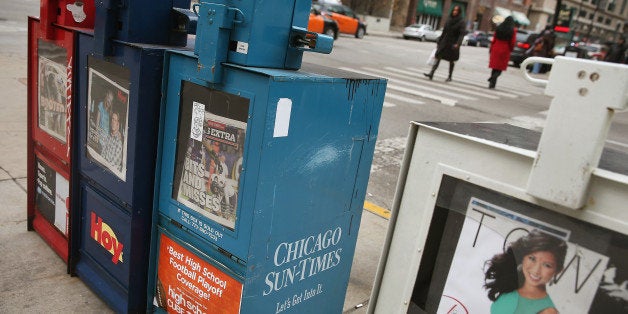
516, 279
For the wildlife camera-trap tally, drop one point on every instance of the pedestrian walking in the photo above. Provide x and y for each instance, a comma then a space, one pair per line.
501, 46
617, 51
543, 46
448, 46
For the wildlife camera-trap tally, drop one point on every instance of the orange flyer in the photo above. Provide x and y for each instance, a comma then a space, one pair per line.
188, 284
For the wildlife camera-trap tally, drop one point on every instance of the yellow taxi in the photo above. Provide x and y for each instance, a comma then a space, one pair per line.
347, 20
323, 24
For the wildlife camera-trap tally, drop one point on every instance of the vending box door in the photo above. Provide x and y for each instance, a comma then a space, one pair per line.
278, 132
51, 212
106, 234
50, 85
113, 251
118, 120
188, 278
50, 114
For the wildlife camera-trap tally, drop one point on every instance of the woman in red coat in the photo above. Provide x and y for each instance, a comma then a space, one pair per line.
502, 45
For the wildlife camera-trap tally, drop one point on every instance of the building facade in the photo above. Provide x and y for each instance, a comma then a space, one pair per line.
591, 20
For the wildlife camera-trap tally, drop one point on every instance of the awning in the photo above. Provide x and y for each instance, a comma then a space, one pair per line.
430, 7
520, 18
500, 15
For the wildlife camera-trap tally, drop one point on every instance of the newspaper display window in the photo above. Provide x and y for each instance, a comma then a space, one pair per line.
210, 152
52, 82
474, 228
52, 191
108, 115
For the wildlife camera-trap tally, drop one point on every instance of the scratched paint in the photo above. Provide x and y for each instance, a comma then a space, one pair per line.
327, 154
353, 85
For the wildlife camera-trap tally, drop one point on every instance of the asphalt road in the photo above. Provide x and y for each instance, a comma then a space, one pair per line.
411, 97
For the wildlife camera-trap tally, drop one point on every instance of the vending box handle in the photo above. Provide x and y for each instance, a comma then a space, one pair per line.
533, 60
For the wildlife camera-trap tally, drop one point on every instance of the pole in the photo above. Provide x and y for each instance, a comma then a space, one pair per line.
559, 4
410, 18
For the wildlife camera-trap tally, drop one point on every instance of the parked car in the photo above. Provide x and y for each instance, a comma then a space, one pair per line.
348, 22
421, 32
477, 38
594, 51
322, 24
524, 41
465, 40
434, 36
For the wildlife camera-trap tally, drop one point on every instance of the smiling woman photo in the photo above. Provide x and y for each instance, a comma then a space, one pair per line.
516, 279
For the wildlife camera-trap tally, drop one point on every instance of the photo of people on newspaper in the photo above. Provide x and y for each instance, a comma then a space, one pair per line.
53, 82
209, 176
107, 122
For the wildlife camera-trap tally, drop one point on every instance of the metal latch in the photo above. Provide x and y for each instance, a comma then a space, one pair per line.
302, 39
212, 38
586, 95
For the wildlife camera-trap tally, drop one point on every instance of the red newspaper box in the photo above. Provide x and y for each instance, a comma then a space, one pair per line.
51, 57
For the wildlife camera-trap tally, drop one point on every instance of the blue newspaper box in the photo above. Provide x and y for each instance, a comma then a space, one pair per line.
51, 58
117, 126
261, 186
119, 93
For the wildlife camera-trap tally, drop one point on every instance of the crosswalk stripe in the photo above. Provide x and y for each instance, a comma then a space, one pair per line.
443, 100
437, 89
617, 143
535, 122
482, 90
473, 81
388, 104
404, 99
456, 88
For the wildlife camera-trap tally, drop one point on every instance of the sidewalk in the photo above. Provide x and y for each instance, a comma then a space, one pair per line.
33, 278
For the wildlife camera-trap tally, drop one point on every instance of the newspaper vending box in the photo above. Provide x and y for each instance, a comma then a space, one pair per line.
51, 59
118, 99
496, 218
263, 171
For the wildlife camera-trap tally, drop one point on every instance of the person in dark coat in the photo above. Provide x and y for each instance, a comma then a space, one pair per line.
502, 45
543, 46
617, 51
448, 46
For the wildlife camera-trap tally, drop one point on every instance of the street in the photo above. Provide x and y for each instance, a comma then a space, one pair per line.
34, 277
412, 97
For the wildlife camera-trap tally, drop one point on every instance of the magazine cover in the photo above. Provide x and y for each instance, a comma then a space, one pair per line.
498, 254
107, 118
53, 84
210, 173
188, 284
545, 265
51, 196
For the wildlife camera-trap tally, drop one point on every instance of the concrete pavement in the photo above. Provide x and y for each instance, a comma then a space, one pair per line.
33, 278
